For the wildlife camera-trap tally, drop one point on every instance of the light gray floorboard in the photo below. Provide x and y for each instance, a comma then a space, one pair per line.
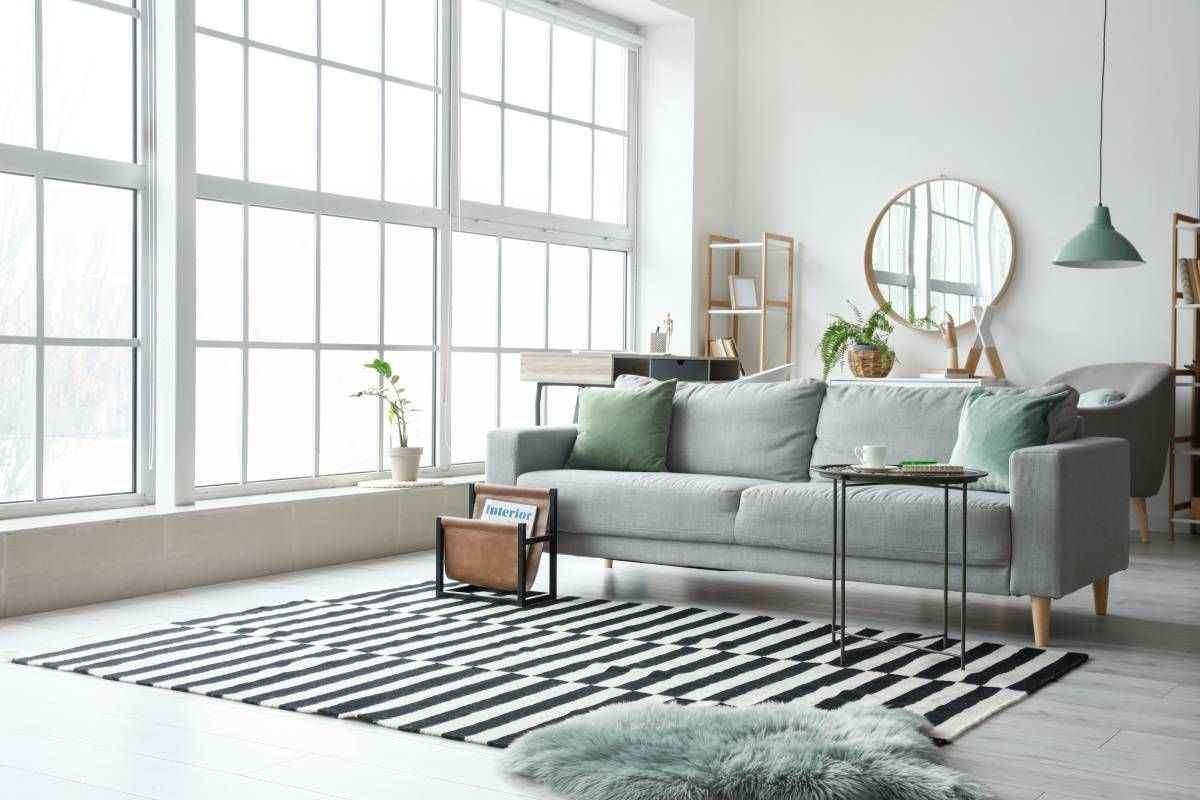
1126, 725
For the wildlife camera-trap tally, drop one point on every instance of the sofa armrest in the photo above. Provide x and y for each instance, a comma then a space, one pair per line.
514, 451
1070, 515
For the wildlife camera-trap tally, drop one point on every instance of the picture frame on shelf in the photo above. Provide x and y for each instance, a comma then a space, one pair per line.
743, 292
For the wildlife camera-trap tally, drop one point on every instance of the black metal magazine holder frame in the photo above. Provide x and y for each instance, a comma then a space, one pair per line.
522, 597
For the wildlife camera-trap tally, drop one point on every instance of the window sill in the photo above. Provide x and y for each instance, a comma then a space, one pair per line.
139, 512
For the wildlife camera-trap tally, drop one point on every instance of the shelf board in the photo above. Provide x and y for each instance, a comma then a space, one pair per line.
1190, 451
774, 243
734, 311
1187, 305
1188, 226
1186, 520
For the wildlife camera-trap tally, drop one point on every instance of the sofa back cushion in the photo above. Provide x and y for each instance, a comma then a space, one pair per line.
914, 422
748, 430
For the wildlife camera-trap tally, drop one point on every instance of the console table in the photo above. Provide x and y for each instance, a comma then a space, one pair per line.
942, 383
594, 368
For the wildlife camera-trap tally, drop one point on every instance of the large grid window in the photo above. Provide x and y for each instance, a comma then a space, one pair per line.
70, 246
513, 295
440, 183
330, 234
317, 145
544, 115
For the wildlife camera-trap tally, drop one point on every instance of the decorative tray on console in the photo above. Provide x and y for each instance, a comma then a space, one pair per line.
908, 469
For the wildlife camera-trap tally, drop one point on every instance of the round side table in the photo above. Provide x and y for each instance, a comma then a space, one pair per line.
845, 476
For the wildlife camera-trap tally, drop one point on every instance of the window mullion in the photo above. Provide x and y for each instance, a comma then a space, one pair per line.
37, 75
450, 35
39, 423
316, 353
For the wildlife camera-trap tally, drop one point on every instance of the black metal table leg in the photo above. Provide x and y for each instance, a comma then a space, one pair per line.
833, 575
842, 578
962, 619
946, 565
842, 481
537, 404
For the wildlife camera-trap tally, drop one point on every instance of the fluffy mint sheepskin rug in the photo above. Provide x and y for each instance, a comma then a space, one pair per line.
774, 751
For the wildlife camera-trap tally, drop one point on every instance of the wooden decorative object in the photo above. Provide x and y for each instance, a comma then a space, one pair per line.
951, 340
983, 346
870, 363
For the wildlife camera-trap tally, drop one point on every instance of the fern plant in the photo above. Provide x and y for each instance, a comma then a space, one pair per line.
872, 331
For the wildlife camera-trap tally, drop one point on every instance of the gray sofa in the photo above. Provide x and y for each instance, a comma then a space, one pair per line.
738, 493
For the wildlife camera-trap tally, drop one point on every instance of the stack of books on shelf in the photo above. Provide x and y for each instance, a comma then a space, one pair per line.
726, 348
1188, 280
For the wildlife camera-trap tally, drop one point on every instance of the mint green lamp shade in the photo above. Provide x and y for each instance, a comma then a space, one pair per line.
1099, 246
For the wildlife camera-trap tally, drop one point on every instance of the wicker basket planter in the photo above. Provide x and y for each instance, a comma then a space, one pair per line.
870, 363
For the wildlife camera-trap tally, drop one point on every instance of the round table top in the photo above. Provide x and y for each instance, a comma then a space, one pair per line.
848, 472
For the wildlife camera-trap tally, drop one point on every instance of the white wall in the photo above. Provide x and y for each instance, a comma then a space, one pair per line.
841, 105
686, 179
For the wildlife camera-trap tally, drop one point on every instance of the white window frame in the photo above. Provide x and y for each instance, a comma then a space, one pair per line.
167, 185
43, 165
515, 223
247, 193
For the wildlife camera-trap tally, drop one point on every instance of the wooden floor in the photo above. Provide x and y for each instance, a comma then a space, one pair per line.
1126, 725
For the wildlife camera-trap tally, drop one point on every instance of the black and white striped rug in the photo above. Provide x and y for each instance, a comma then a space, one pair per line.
475, 671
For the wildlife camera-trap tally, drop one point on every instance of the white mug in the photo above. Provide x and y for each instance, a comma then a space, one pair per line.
871, 455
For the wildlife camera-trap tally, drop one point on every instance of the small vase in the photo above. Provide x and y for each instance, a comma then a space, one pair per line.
404, 461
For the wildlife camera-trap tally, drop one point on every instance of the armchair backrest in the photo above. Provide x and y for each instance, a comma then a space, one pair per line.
1143, 418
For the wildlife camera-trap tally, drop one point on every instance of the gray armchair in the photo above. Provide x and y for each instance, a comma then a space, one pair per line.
1143, 418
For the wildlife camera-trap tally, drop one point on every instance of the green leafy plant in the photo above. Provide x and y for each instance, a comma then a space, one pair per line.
872, 331
927, 322
399, 406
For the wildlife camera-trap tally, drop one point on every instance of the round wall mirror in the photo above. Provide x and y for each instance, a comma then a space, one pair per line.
941, 246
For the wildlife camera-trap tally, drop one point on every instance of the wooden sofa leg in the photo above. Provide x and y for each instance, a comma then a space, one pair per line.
1041, 620
608, 563
1100, 595
1139, 506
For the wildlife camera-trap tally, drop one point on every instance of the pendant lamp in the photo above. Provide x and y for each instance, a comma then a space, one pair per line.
1100, 245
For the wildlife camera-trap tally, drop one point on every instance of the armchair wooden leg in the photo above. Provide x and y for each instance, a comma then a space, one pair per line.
1139, 507
1100, 595
1041, 620
608, 563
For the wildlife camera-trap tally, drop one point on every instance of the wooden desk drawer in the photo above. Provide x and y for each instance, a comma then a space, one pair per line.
682, 369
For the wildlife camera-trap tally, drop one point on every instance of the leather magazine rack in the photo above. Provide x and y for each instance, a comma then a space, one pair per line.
499, 557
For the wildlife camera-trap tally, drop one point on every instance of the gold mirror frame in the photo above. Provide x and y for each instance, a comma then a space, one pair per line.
869, 270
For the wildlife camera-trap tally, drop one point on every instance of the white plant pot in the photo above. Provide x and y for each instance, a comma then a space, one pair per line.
404, 461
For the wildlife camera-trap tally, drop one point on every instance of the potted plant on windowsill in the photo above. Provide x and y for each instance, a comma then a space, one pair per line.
403, 460
862, 342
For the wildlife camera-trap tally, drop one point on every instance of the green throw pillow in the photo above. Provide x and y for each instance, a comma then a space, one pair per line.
992, 426
624, 429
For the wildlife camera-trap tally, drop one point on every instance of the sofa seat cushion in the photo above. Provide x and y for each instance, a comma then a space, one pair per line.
899, 522
653, 505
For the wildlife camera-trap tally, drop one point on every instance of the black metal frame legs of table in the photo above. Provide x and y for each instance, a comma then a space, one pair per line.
838, 581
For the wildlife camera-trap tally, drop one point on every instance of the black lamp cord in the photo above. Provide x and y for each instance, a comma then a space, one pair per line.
1103, 61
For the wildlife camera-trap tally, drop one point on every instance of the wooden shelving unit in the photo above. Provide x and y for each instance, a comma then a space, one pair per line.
769, 244
1187, 376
